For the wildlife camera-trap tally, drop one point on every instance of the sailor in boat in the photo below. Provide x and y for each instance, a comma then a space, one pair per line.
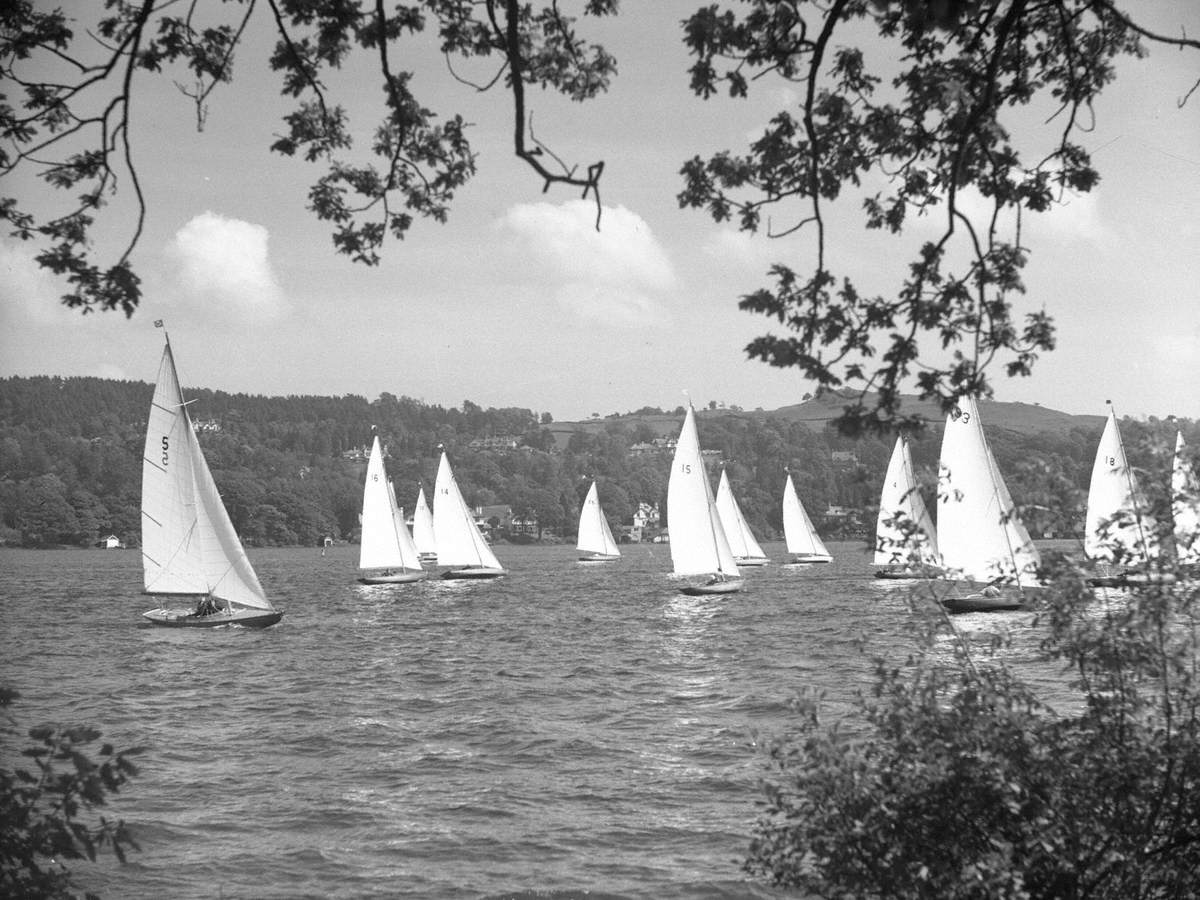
206, 606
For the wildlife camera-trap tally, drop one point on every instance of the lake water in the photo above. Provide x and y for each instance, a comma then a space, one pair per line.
571, 729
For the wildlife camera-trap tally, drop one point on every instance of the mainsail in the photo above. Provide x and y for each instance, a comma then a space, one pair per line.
698, 542
1185, 506
459, 542
799, 533
189, 546
1117, 525
423, 526
980, 535
737, 530
904, 531
379, 547
594, 534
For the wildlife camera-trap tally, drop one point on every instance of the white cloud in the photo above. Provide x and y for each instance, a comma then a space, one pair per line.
617, 275
28, 289
224, 263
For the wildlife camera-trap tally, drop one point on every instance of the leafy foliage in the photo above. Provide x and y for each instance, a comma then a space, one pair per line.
46, 807
973, 773
908, 143
73, 126
909, 134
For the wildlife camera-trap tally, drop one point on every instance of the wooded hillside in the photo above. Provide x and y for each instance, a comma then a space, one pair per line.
287, 467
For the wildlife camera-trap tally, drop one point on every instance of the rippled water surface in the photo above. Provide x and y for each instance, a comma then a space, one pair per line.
570, 729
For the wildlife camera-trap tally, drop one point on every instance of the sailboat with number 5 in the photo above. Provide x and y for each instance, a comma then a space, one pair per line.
189, 546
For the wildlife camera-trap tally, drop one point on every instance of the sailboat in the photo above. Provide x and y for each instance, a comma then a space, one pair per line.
459, 542
423, 529
386, 552
746, 550
905, 541
980, 536
595, 537
1185, 507
1118, 535
698, 543
803, 542
189, 546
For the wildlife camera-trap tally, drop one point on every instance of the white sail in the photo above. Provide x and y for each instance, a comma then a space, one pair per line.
980, 535
410, 558
1185, 506
798, 531
380, 544
904, 531
423, 526
594, 534
1117, 525
189, 546
698, 543
459, 542
737, 530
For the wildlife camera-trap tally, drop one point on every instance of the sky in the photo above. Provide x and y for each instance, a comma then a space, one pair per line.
518, 301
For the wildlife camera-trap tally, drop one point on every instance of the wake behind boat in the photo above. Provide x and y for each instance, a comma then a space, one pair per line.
460, 545
189, 546
698, 542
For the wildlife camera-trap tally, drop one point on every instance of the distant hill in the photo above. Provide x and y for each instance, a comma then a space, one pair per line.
1022, 418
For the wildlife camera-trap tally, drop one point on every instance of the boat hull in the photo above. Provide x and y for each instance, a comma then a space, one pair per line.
473, 573
731, 586
1130, 579
393, 578
980, 603
185, 618
598, 557
906, 573
810, 558
750, 561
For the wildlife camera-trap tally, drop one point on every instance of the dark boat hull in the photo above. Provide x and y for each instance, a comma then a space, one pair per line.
1130, 579
971, 604
716, 587
182, 618
472, 573
394, 578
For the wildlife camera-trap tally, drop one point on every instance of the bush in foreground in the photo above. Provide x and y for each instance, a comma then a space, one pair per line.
962, 781
47, 801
